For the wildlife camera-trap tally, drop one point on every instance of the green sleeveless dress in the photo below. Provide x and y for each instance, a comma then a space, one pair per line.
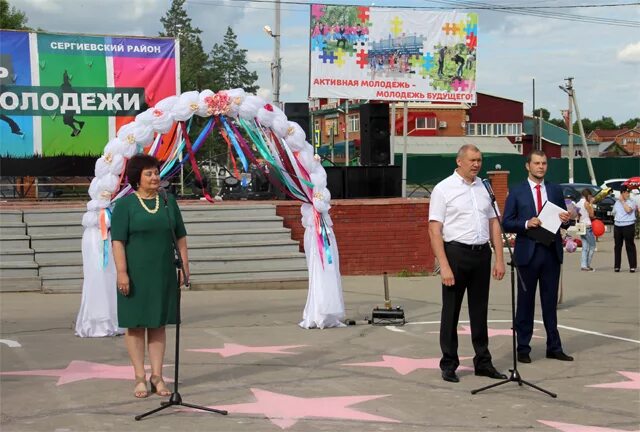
153, 282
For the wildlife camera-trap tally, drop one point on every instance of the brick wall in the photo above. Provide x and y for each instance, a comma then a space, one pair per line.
375, 235
500, 185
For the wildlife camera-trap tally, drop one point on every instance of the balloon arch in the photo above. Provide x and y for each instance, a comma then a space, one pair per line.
290, 165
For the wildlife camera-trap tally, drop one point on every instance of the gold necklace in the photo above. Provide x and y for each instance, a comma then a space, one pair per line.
144, 206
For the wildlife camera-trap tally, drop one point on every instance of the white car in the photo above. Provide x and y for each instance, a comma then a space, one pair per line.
615, 184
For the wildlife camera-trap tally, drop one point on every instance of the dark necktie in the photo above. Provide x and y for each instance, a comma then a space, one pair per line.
538, 198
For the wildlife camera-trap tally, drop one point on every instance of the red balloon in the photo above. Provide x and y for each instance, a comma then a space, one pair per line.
597, 227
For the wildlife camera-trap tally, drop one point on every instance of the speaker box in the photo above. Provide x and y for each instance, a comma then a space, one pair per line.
335, 181
298, 112
372, 181
374, 134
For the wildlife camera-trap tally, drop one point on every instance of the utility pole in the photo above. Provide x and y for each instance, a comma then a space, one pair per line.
276, 58
570, 91
346, 132
276, 63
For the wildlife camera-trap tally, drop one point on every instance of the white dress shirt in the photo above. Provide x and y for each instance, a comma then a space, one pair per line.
464, 209
534, 192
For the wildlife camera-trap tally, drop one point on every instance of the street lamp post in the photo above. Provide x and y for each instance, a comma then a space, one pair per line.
276, 69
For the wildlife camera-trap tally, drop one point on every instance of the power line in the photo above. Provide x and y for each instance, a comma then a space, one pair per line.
538, 11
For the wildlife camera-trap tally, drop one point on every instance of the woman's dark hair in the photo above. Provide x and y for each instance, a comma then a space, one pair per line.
137, 164
586, 193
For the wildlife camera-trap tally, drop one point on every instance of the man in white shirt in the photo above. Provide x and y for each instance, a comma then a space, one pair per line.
461, 223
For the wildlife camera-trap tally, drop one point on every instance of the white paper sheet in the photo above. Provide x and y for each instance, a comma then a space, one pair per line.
550, 217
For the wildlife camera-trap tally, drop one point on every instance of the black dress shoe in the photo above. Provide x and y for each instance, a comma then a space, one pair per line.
449, 375
559, 355
490, 372
524, 358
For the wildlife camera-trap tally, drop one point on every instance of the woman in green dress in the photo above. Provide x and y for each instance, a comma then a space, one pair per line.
147, 281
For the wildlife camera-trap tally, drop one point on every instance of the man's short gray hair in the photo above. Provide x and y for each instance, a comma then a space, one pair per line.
465, 148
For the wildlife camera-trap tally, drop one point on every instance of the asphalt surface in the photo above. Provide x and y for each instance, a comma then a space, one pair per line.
75, 384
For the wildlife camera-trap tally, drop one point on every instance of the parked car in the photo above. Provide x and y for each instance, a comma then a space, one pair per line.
615, 185
602, 210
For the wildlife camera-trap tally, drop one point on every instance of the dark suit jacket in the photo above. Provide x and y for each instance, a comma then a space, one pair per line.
521, 207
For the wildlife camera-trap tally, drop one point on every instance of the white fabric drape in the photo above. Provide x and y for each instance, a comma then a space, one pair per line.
325, 305
98, 315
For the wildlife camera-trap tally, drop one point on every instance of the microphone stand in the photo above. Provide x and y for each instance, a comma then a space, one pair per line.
176, 398
515, 375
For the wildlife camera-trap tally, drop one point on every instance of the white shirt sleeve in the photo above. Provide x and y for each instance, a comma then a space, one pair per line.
437, 205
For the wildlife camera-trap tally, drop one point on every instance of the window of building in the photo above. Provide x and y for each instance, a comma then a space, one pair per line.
494, 129
354, 123
426, 122
331, 126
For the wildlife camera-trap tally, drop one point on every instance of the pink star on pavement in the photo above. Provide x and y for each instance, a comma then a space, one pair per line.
79, 370
634, 384
231, 349
406, 365
285, 411
466, 330
568, 427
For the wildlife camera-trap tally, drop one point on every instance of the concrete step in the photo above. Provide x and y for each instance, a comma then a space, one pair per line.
20, 269
206, 225
16, 255
27, 283
68, 216
62, 284
279, 279
66, 241
189, 212
247, 263
293, 279
60, 268
72, 252
56, 241
14, 242
11, 216
243, 235
49, 227
12, 228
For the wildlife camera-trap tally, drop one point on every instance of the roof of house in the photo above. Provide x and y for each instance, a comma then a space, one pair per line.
498, 97
608, 146
554, 134
433, 145
609, 134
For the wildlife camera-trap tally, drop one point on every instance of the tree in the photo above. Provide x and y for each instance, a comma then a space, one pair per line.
228, 65
631, 123
193, 59
12, 18
544, 112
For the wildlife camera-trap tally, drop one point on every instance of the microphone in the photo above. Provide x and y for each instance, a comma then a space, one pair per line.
487, 186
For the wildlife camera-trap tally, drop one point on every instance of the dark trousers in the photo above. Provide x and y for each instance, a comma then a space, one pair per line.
624, 234
544, 269
472, 272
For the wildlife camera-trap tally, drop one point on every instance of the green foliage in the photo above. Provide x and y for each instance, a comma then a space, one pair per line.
341, 15
12, 18
631, 123
193, 59
545, 113
228, 66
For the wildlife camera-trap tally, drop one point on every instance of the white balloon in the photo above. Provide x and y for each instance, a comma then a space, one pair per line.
249, 108
186, 105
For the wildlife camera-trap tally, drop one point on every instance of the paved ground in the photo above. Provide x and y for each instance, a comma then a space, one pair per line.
310, 387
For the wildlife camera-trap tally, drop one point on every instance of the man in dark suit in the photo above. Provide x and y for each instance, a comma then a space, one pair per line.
538, 263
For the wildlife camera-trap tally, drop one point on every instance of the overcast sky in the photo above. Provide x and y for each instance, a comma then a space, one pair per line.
512, 49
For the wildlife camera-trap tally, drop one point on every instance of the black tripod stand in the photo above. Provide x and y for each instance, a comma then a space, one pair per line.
515, 375
175, 398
